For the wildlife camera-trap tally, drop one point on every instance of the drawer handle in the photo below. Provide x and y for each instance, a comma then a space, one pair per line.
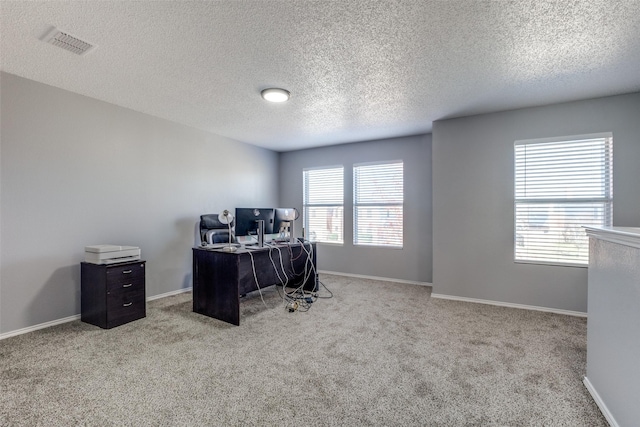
127, 304
127, 285
126, 272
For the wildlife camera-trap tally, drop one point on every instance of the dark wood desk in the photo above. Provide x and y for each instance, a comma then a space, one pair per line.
220, 278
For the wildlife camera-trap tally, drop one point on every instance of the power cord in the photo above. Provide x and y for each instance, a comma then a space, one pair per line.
255, 276
298, 299
325, 286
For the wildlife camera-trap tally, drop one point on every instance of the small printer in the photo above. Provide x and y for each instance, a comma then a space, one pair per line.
110, 254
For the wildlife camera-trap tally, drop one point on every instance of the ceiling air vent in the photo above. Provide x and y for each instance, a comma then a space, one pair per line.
67, 41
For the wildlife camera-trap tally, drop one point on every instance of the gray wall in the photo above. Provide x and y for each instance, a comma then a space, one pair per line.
413, 262
76, 171
473, 189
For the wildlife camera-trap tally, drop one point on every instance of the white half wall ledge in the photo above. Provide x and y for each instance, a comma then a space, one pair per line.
77, 317
510, 305
628, 236
603, 408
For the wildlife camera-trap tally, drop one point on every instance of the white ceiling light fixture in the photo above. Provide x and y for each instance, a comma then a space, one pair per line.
275, 95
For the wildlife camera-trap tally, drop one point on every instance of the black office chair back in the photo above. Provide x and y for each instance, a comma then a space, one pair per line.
217, 232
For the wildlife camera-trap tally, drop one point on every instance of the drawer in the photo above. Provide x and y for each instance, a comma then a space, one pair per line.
124, 307
128, 285
124, 273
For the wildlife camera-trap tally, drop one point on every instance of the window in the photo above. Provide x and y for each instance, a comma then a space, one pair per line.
560, 186
378, 197
323, 208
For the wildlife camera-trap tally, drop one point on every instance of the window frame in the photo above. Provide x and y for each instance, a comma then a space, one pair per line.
606, 200
357, 204
306, 205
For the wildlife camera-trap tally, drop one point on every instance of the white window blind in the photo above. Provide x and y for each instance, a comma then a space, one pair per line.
378, 204
323, 208
561, 186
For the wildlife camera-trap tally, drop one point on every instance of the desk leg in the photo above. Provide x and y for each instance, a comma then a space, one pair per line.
215, 286
312, 285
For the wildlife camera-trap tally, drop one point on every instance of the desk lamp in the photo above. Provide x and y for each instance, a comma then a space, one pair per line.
225, 217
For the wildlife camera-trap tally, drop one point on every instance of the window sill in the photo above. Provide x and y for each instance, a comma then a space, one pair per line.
360, 245
551, 263
327, 243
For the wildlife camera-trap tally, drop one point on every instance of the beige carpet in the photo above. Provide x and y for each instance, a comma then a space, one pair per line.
377, 353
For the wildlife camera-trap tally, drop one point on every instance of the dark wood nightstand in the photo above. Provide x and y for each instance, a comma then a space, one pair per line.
114, 294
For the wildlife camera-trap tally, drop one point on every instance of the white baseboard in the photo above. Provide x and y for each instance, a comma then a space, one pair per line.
456, 298
77, 317
383, 279
40, 326
511, 305
169, 294
603, 408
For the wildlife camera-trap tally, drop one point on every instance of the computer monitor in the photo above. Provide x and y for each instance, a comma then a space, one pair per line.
283, 222
246, 218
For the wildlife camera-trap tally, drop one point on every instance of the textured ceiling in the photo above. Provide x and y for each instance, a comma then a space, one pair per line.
357, 69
